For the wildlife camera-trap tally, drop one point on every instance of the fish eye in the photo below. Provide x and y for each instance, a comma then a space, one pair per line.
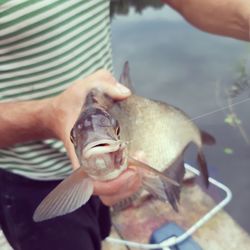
72, 137
117, 130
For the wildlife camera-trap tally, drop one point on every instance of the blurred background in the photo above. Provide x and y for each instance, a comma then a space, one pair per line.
205, 75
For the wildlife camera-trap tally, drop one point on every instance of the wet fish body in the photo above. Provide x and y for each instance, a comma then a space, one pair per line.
106, 136
154, 128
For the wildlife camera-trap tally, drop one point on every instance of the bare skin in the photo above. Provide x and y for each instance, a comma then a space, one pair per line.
54, 118
223, 17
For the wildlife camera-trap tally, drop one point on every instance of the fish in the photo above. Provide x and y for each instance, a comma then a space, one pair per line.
106, 136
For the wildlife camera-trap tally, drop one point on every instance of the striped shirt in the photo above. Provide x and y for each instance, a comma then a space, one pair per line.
44, 47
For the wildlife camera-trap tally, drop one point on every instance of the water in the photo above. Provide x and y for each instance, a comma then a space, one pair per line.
172, 61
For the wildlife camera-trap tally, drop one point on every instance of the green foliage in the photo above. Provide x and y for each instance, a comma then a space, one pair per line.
242, 81
228, 151
232, 120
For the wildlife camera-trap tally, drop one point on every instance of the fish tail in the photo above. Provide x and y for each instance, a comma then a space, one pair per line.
203, 167
175, 171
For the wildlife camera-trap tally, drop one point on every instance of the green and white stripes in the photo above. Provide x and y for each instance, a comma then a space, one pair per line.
44, 47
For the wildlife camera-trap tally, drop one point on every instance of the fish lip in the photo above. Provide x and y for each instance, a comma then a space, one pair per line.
93, 148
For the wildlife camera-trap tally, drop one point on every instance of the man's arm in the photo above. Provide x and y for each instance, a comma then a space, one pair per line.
24, 121
54, 117
223, 17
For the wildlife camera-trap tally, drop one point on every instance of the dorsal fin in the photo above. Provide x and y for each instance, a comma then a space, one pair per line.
95, 96
125, 76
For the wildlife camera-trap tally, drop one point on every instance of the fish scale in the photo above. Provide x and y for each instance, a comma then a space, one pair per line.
150, 126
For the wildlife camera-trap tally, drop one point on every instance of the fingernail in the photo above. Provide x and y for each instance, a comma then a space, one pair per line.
123, 90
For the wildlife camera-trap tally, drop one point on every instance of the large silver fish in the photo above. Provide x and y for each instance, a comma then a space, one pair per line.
106, 136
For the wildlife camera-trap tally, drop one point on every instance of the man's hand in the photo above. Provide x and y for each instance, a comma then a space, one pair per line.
65, 108
222, 17
54, 118
124, 186
111, 192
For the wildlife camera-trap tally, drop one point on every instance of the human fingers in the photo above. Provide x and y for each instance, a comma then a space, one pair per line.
120, 184
67, 106
122, 187
106, 83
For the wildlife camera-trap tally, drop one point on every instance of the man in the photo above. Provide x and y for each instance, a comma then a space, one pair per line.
51, 56
222, 17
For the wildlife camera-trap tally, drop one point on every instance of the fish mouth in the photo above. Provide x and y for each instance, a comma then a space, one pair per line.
104, 146
105, 159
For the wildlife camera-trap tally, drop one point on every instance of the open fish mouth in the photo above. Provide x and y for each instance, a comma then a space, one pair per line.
100, 147
105, 159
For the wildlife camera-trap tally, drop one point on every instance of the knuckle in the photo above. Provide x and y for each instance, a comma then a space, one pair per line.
102, 79
134, 185
106, 201
103, 72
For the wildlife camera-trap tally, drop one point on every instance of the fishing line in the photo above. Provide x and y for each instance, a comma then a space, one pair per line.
218, 110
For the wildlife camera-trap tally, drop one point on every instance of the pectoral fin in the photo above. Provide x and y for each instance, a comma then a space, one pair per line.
145, 166
161, 185
69, 195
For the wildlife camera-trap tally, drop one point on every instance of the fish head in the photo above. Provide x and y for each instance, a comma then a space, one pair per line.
96, 138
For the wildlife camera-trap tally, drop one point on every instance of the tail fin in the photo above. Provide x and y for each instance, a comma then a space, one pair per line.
203, 167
